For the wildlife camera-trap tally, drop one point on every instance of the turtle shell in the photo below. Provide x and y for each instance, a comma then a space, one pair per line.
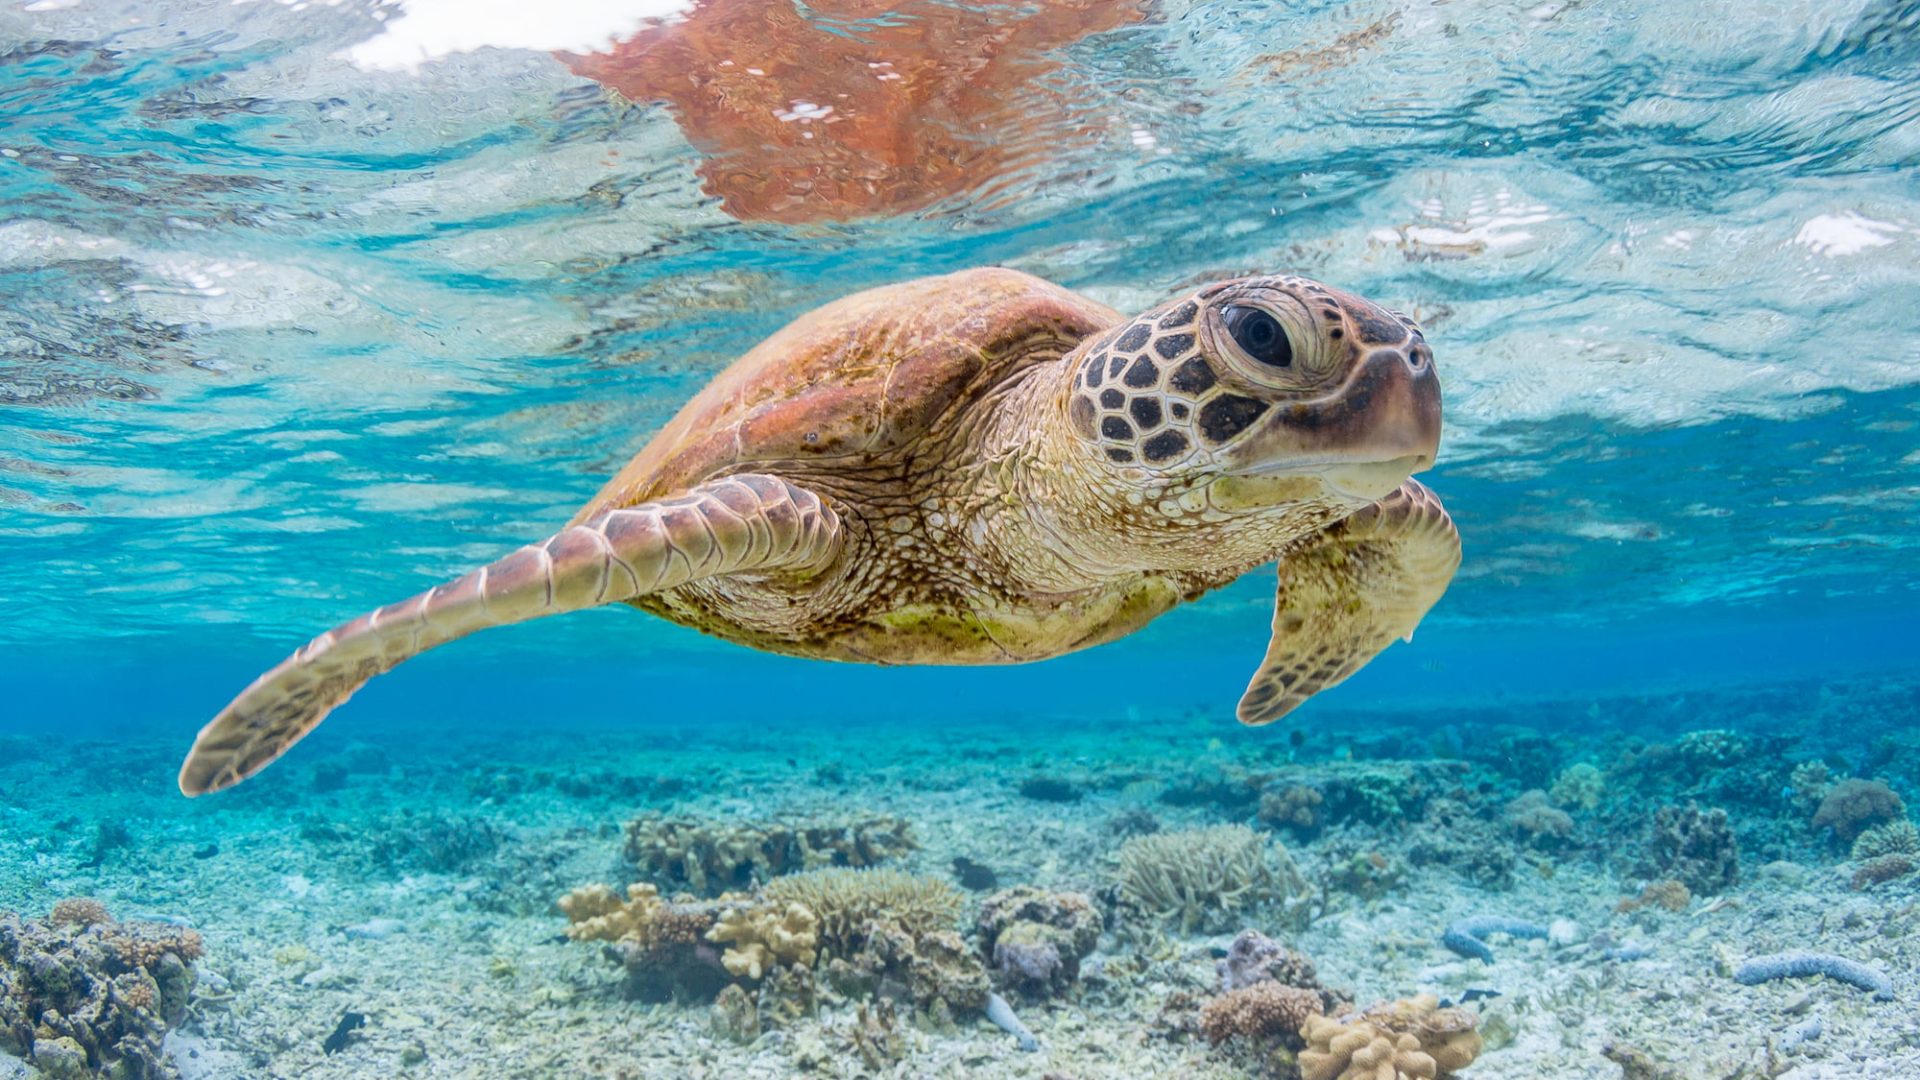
862, 378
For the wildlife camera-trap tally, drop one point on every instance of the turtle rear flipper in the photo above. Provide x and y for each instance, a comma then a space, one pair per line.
749, 522
1355, 587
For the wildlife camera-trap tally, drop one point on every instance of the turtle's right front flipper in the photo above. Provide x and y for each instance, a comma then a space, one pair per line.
746, 523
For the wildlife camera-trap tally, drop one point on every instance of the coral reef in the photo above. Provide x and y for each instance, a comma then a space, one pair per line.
762, 938
846, 902
1264, 1010
1667, 895
1893, 838
1295, 806
1852, 806
935, 970
1799, 965
1467, 937
1452, 835
663, 946
1537, 822
1206, 879
1035, 939
1409, 1039
1694, 848
1885, 868
708, 858
1579, 786
84, 995
1256, 958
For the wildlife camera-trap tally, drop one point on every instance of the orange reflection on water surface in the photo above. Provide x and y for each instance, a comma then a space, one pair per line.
857, 107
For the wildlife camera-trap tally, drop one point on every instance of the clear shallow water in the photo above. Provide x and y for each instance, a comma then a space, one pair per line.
306, 306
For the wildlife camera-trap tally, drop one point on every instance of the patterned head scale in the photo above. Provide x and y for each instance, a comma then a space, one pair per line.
1260, 375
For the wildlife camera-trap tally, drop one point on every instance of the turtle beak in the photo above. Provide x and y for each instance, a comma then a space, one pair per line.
1365, 437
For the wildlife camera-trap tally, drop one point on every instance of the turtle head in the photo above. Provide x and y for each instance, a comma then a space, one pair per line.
1273, 390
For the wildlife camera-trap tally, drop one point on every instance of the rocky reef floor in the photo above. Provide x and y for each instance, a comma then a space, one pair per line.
1656, 843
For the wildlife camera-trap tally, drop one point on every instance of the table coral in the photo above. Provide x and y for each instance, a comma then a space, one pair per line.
710, 857
1411, 1039
1205, 879
766, 937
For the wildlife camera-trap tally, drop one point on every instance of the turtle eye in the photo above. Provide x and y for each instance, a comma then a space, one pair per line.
1258, 334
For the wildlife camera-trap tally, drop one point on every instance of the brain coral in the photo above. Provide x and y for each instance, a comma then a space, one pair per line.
1412, 1039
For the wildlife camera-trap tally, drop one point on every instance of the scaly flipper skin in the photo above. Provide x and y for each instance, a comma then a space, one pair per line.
748, 523
1348, 593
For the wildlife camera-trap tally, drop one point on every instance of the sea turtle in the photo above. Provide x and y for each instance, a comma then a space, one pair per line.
981, 468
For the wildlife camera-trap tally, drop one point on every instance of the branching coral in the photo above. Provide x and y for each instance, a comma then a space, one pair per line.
765, 937
1412, 1039
846, 901
1206, 878
1893, 838
711, 857
661, 944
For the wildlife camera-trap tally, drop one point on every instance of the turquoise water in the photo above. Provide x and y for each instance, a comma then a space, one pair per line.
304, 308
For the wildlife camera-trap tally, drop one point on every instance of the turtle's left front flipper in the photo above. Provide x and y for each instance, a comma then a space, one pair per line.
1355, 587
750, 523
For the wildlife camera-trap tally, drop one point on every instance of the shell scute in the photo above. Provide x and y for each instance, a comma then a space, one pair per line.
863, 376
